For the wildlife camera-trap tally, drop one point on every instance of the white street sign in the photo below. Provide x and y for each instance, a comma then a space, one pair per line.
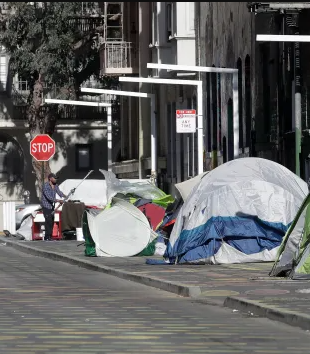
186, 120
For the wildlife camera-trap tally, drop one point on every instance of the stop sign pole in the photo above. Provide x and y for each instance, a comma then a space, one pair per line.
42, 148
92, 104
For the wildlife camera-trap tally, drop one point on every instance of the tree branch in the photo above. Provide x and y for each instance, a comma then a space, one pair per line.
87, 38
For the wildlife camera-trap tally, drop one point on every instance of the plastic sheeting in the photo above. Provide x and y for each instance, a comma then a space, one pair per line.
90, 192
120, 231
144, 190
94, 191
247, 204
25, 229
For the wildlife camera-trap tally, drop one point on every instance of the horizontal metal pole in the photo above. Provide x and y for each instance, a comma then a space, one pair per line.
292, 5
150, 80
116, 92
77, 103
282, 38
202, 69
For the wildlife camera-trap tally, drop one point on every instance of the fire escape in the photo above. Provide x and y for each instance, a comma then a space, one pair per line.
117, 51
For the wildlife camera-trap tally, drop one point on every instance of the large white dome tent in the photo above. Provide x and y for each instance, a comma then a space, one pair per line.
239, 212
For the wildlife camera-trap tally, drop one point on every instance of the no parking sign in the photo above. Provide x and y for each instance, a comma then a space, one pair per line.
186, 120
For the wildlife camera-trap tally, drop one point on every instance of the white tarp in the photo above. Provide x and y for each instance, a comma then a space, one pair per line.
93, 191
186, 187
90, 192
121, 231
25, 229
235, 202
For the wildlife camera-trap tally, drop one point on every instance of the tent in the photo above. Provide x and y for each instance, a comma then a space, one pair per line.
126, 227
186, 187
293, 258
120, 231
239, 212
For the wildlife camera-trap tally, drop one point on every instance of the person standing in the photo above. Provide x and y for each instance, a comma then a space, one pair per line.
48, 200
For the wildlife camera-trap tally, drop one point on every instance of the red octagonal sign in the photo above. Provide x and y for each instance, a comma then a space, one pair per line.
42, 147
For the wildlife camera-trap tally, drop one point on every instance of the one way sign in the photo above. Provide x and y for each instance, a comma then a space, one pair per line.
186, 120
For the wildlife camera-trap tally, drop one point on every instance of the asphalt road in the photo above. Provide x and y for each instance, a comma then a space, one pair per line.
53, 307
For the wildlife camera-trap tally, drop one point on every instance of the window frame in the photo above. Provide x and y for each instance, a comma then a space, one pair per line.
79, 147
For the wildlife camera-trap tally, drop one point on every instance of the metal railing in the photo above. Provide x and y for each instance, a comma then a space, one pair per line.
86, 24
66, 112
119, 55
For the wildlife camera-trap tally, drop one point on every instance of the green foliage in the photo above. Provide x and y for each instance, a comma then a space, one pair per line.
42, 39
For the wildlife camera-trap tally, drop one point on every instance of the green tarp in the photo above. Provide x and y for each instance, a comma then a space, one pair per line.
293, 259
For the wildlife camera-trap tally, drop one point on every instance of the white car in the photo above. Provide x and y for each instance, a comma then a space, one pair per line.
23, 211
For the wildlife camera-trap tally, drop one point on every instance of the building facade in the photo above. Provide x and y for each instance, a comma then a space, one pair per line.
224, 38
80, 133
273, 80
164, 33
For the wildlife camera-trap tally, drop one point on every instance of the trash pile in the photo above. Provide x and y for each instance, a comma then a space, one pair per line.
132, 223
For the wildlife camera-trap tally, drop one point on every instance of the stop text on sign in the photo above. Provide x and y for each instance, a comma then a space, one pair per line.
42, 147
186, 120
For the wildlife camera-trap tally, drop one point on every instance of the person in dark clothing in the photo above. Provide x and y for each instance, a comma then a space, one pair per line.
48, 200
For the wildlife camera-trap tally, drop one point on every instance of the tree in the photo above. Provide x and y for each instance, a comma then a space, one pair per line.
49, 49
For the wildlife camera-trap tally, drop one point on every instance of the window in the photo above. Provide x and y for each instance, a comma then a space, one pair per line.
214, 107
230, 130
219, 110
248, 100
265, 56
83, 159
240, 108
3, 72
169, 20
11, 160
154, 22
209, 112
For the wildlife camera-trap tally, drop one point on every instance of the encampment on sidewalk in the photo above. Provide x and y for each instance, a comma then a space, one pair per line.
239, 212
236, 213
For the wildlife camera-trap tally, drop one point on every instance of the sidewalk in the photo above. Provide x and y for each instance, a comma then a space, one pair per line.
243, 287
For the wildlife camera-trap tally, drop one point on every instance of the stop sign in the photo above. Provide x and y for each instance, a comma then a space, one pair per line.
42, 147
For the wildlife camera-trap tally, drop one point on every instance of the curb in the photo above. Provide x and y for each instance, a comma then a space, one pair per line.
175, 288
291, 318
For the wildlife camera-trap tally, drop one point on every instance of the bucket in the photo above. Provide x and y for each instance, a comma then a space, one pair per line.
79, 234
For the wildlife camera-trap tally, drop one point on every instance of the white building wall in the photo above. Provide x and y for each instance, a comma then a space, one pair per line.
178, 49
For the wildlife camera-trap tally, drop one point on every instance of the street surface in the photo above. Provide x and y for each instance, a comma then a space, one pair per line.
53, 307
